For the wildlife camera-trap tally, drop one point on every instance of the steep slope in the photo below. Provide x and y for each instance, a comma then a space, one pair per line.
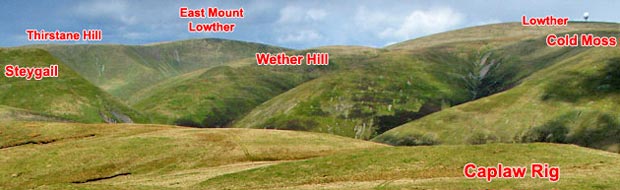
131, 156
8, 113
218, 96
431, 167
68, 97
369, 95
573, 101
123, 70
346, 101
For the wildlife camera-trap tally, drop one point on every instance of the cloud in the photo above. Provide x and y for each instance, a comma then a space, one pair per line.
369, 20
116, 10
300, 36
316, 14
295, 14
422, 22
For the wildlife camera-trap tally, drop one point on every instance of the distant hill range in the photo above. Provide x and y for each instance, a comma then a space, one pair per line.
493, 83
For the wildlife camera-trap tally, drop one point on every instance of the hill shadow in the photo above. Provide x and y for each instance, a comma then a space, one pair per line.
570, 90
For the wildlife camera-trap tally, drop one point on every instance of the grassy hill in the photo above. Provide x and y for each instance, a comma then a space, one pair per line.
375, 90
346, 100
131, 156
496, 34
472, 93
573, 101
570, 101
33, 154
434, 167
68, 97
217, 96
123, 70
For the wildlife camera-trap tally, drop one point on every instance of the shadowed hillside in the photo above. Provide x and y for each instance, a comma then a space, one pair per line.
123, 70
68, 97
402, 83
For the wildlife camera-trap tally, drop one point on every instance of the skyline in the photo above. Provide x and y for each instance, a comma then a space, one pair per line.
291, 24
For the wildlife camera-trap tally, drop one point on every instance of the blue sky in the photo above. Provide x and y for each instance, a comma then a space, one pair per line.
293, 24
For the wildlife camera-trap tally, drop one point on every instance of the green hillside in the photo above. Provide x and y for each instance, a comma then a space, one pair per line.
68, 97
488, 94
123, 70
573, 101
378, 91
71, 155
8, 113
219, 96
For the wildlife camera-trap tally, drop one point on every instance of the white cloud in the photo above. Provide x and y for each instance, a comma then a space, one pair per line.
315, 14
300, 36
369, 20
111, 9
422, 22
294, 14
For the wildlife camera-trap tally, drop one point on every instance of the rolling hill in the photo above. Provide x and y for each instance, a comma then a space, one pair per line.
489, 94
406, 81
135, 156
32, 154
215, 97
430, 167
122, 70
572, 101
218, 96
68, 97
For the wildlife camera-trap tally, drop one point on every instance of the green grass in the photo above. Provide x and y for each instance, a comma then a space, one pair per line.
8, 113
377, 91
361, 89
430, 167
168, 157
431, 85
56, 154
576, 96
124, 70
217, 96
68, 97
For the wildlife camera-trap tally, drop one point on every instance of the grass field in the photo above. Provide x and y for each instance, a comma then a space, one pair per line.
435, 167
132, 156
33, 154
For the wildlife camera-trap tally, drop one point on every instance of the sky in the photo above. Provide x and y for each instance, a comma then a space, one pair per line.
292, 24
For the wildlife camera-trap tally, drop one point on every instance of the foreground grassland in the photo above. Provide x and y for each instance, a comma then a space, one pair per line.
59, 155
435, 167
37, 155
